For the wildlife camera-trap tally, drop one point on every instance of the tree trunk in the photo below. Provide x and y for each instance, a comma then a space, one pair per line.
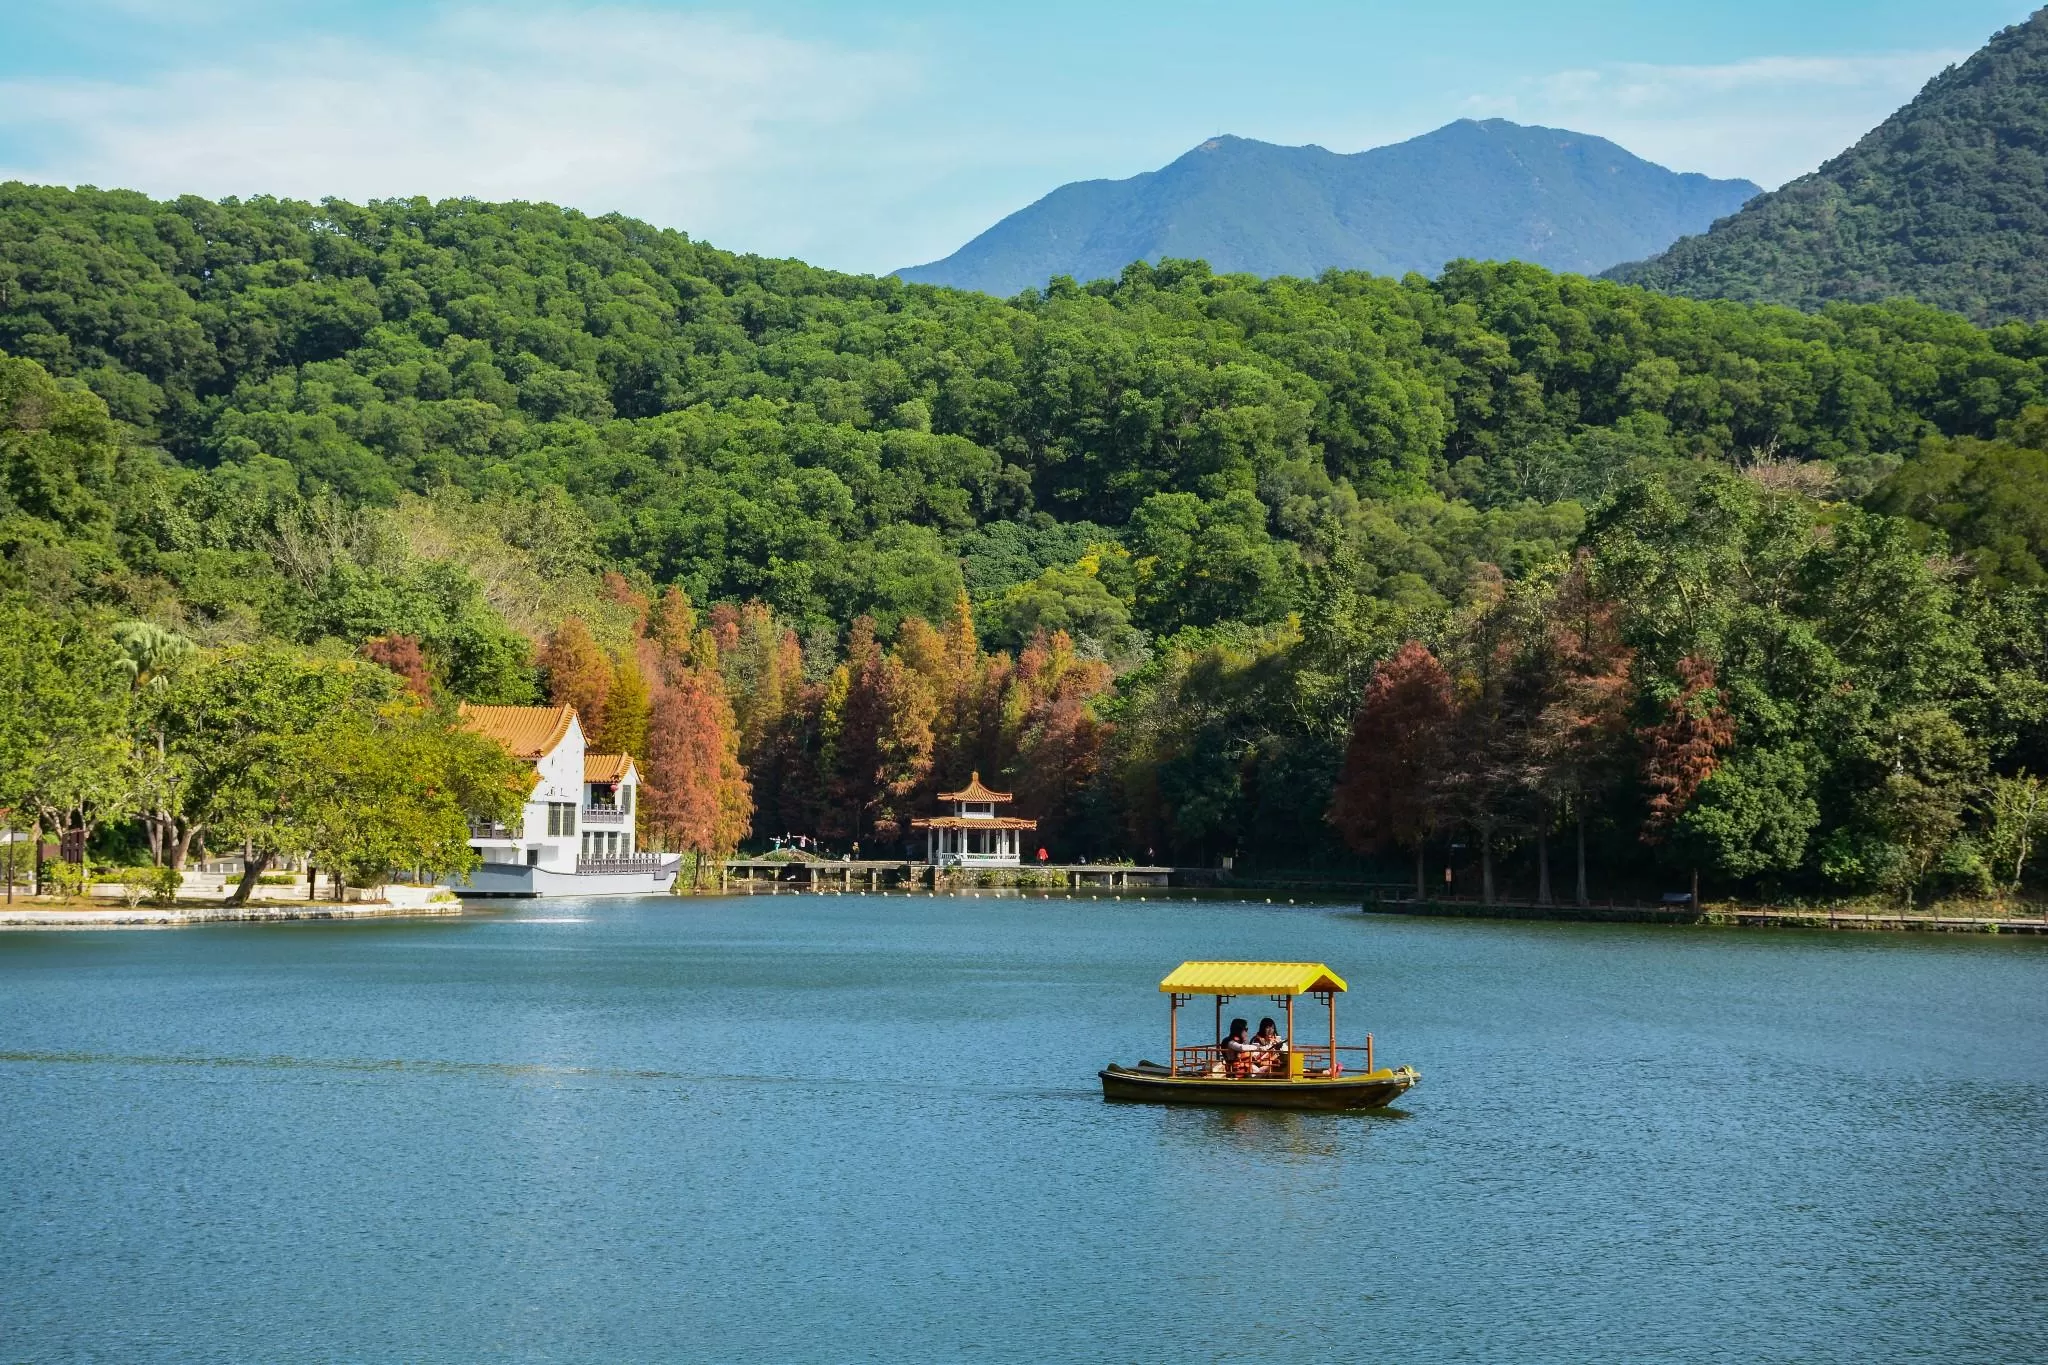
35, 834
1581, 820
252, 870
155, 827
182, 849
1421, 855
1543, 864
1486, 863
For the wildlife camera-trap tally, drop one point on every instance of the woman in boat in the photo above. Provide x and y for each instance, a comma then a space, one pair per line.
1267, 1048
1237, 1049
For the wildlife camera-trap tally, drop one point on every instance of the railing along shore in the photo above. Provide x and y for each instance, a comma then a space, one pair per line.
2027, 919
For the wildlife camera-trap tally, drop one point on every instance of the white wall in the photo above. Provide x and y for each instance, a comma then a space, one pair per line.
560, 776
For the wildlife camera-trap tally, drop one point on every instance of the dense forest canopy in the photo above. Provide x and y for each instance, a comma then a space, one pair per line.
1143, 542
1946, 201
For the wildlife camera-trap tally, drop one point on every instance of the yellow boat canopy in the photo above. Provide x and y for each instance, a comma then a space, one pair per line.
1251, 978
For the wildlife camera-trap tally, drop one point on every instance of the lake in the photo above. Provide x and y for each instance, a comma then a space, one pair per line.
868, 1128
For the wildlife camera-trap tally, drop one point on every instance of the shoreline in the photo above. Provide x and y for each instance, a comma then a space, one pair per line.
34, 917
1724, 916
157, 917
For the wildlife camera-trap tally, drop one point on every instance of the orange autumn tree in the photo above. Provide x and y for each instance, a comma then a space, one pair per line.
763, 665
672, 623
694, 793
1057, 740
577, 674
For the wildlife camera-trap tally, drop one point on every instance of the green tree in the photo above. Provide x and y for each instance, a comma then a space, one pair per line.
373, 791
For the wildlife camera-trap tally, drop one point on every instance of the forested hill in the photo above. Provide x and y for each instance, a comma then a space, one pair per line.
1488, 190
1946, 201
1138, 547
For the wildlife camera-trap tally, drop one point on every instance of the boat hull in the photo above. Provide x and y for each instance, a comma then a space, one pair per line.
1372, 1090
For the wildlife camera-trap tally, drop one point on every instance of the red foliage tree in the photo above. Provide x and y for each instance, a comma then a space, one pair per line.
1577, 740
401, 654
1389, 791
1683, 750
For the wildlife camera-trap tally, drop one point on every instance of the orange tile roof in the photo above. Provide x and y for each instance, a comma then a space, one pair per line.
972, 822
974, 791
606, 767
528, 732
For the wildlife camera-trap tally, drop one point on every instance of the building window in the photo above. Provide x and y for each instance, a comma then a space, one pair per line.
626, 800
533, 857
561, 818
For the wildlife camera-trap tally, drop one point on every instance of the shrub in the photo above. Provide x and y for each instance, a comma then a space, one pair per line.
66, 879
163, 885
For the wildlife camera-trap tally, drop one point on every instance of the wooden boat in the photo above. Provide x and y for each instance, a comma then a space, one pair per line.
1290, 1076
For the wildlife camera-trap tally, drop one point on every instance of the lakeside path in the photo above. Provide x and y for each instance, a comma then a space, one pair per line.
61, 917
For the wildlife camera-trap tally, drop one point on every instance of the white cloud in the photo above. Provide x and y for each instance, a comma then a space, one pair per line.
1766, 118
701, 124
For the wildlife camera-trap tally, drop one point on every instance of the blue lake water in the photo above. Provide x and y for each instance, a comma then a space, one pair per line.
868, 1128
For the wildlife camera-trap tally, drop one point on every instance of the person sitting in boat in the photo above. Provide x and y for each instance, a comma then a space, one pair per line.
1268, 1048
1238, 1052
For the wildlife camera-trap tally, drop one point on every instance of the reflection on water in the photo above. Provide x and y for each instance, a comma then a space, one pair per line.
1271, 1132
869, 1128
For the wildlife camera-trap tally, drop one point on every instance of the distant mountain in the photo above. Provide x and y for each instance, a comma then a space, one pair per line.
1491, 191
1946, 201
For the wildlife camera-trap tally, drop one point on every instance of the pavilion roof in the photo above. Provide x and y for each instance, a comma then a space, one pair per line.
974, 791
972, 822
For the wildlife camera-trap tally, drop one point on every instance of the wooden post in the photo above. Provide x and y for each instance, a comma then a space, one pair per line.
1290, 1026
1368, 1054
1332, 998
1173, 1033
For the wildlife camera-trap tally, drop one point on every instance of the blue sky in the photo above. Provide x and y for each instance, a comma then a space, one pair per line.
872, 136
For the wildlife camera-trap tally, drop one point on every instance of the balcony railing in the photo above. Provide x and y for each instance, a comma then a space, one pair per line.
606, 815
645, 864
491, 829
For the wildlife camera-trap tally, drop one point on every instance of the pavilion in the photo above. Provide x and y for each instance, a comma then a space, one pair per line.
973, 835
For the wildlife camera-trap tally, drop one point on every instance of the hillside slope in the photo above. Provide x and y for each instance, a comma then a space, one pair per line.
1487, 191
1946, 201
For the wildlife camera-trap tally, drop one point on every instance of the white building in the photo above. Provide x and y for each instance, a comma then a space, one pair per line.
973, 835
575, 836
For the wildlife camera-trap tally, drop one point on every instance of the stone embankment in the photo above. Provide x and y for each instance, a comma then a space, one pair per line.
27, 914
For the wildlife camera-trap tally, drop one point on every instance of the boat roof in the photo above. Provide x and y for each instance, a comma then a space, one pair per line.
1251, 978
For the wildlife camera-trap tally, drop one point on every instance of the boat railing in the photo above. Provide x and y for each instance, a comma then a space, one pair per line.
1209, 1059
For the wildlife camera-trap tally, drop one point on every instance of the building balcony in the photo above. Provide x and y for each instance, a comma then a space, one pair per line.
610, 817
491, 829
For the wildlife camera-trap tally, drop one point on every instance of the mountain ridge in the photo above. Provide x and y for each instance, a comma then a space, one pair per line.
1486, 189
1945, 201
